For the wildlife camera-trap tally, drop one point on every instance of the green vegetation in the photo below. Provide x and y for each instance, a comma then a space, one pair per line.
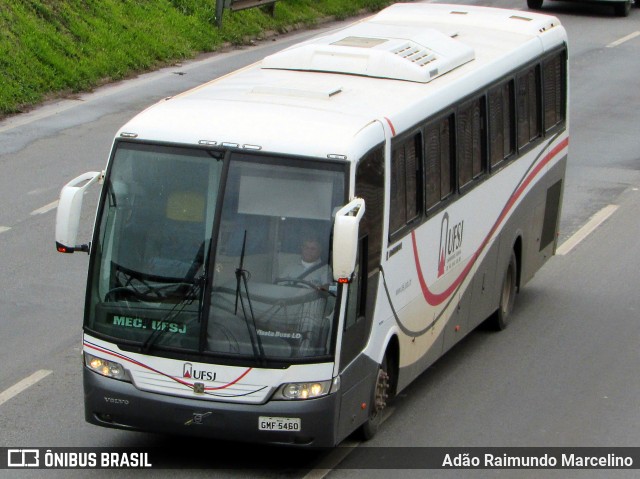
50, 48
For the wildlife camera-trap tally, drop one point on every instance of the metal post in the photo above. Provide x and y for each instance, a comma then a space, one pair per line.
220, 6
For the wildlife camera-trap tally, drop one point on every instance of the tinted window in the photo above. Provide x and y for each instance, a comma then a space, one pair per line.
370, 187
438, 161
553, 84
406, 183
470, 130
528, 106
501, 124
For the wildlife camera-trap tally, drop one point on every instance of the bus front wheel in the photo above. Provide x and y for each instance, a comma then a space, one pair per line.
380, 399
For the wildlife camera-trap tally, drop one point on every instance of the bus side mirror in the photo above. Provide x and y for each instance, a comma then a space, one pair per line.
69, 209
345, 239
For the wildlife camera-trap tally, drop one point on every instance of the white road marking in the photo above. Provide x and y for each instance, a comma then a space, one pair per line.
4, 228
591, 225
45, 209
22, 385
623, 39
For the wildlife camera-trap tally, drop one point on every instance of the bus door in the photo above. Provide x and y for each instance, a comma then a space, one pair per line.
357, 376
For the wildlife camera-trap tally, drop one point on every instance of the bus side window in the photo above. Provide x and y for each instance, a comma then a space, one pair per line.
471, 141
370, 187
501, 123
357, 292
406, 183
528, 109
553, 82
438, 161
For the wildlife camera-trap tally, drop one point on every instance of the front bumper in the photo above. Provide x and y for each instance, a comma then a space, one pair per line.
118, 404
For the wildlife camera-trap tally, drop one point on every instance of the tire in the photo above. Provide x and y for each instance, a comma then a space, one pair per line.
534, 4
507, 293
379, 401
622, 9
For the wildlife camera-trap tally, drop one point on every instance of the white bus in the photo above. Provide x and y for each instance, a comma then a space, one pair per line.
279, 252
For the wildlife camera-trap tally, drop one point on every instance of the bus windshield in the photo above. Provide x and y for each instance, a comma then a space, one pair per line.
184, 262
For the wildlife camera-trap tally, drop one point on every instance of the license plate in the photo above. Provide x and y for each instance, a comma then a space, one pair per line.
266, 423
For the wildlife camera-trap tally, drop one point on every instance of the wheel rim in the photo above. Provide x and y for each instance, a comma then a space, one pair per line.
507, 291
382, 393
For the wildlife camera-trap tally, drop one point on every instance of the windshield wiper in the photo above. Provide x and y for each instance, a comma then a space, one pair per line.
141, 285
145, 287
242, 276
194, 293
196, 287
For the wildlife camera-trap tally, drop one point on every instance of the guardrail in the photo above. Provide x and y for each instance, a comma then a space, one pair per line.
232, 5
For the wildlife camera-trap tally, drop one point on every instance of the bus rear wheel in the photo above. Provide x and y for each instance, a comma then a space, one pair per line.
507, 293
381, 395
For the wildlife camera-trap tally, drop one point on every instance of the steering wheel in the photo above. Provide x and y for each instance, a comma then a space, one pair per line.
297, 282
150, 293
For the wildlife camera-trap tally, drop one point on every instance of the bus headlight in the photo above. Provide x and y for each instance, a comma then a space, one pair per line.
308, 390
109, 369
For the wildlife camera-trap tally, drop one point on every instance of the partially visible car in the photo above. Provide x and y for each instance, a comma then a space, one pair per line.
621, 7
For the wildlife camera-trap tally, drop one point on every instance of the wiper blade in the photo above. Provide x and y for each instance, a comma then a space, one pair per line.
240, 272
242, 276
153, 287
190, 296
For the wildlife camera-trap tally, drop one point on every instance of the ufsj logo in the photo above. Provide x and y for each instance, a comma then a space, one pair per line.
450, 244
189, 372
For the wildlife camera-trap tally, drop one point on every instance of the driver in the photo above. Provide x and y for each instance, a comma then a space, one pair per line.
309, 267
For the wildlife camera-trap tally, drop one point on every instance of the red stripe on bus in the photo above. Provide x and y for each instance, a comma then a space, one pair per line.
435, 299
231, 383
142, 365
393, 130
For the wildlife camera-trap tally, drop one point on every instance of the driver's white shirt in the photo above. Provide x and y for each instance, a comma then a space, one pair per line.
319, 275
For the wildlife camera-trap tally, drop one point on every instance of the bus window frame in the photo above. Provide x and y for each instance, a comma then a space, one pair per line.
561, 124
488, 169
513, 154
519, 75
417, 134
479, 96
449, 115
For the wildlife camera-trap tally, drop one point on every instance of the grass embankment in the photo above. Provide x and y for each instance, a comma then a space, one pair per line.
50, 48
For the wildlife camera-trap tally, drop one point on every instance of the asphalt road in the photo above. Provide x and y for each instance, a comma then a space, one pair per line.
563, 374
